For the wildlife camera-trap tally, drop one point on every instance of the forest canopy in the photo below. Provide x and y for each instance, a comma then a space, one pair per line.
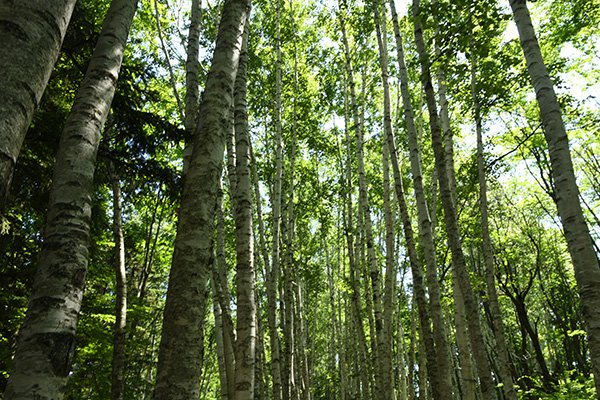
300, 200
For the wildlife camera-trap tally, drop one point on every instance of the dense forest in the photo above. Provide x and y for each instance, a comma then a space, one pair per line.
300, 200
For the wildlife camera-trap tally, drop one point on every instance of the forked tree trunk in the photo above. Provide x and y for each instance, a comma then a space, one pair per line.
179, 361
31, 33
451, 219
47, 337
579, 242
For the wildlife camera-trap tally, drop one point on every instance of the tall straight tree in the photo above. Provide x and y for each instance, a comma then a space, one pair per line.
118, 360
508, 386
245, 345
484, 372
31, 33
425, 225
192, 90
179, 361
576, 231
273, 274
46, 340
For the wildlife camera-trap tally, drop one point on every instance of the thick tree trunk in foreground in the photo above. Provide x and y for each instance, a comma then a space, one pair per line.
118, 360
579, 243
31, 33
245, 344
179, 362
46, 342
458, 261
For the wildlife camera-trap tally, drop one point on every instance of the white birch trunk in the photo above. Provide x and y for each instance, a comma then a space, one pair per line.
579, 243
273, 274
425, 225
245, 344
31, 33
504, 368
179, 361
47, 337
451, 219
118, 360
192, 90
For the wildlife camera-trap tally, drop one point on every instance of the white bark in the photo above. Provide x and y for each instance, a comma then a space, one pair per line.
576, 231
179, 362
31, 33
118, 360
451, 219
245, 345
46, 341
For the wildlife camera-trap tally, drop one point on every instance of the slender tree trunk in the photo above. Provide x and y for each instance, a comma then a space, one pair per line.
488, 251
355, 303
192, 81
383, 331
273, 275
179, 363
245, 355
31, 33
165, 50
222, 293
373, 304
579, 243
47, 337
468, 380
458, 261
219, 342
467, 372
386, 349
118, 360
425, 226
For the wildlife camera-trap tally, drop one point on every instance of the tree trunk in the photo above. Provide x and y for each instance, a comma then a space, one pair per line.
458, 261
245, 343
385, 346
488, 251
273, 274
223, 298
31, 33
46, 340
374, 269
118, 360
356, 307
579, 243
192, 81
179, 363
425, 226
468, 380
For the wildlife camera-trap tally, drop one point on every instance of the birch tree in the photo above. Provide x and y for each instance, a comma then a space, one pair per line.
179, 361
245, 344
46, 340
31, 34
579, 242
450, 215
